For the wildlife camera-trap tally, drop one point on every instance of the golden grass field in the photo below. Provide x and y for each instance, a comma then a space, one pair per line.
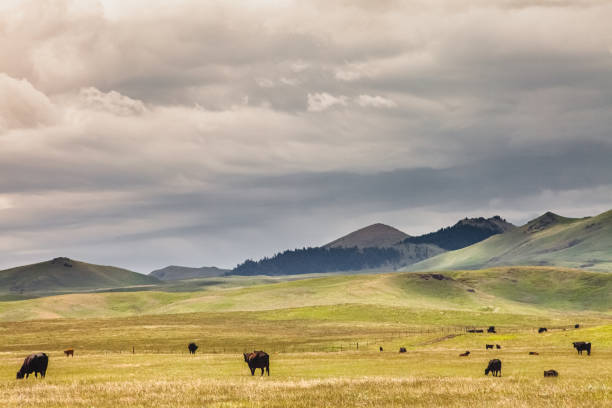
307, 367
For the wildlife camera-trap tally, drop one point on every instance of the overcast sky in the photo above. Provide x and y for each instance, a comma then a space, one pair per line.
148, 133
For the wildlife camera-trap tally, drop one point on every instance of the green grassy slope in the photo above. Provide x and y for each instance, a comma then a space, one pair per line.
66, 275
526, 290
548, 240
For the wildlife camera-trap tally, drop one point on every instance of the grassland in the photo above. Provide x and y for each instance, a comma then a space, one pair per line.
548, 240
323, 336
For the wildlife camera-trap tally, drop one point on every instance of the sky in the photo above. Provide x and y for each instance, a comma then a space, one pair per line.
148, 133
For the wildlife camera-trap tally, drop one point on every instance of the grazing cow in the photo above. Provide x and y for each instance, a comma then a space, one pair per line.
475, 331
494, 367
402, 349
192, 348
534, 353
380, 348
542, 330
551, 373
488, 346
497, 346
34, 363
491, 329
69, 352
576, 326
581, 346
467, 353
258, 359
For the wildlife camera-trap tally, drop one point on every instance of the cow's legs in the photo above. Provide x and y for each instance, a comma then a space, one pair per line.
262, 371
252, 371
268, 370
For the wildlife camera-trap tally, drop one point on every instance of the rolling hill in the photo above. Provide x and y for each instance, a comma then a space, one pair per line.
497, 294
375, 235
67, 275
547, 240
173, 272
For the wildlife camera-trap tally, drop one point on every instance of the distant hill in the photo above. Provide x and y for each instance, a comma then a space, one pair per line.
464, 233
65, 275
547, 240
173, 272
375, 235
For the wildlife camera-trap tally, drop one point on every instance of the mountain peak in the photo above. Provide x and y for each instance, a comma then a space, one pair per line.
544, 221
375, 235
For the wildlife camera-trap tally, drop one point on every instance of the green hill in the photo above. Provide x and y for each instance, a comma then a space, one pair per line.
67, 275
501, 292
173, 272
547, 240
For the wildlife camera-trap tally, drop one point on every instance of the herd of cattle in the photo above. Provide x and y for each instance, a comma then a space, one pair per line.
37, 363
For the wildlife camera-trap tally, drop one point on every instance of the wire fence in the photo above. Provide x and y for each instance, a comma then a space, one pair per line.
371, 342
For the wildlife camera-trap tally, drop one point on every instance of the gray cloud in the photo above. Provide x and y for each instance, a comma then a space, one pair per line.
207, 132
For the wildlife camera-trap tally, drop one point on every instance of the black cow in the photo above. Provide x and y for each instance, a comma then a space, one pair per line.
576, 326
494, 367
542, 330
551, 373
258, 359
192, 348
475, 331
497, 346
467, 353
488, 346
534, 353
34, 363
491, 329
581, 346
380, 348
402, 349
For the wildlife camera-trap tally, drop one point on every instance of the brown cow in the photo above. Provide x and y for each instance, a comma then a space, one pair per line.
497, 346
69, 352
258, 359
467, 353
551, 373
534, 353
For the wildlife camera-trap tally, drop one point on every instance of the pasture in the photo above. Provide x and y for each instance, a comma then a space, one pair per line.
323, 336
105, 373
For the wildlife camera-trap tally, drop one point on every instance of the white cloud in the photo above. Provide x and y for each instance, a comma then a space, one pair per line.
23, 106
318, 102
110, 102
375, 101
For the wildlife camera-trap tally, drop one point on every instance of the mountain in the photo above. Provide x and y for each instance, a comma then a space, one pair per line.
67, 275
464, 233
173, 272
547, 240
375, 235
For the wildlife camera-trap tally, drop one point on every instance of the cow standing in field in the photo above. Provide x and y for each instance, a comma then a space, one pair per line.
497, 346
258, 359
192, 348
380, 348
542, 330
402, 349
69, 352
551, 373
581, 346
494, 367
491, 329
488, 346
34, 363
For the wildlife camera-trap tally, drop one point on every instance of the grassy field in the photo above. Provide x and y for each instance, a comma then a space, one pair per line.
323, 336
549, 240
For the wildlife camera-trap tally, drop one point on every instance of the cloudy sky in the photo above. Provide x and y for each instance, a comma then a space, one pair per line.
147, 133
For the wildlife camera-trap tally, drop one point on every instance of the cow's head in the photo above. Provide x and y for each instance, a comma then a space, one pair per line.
246, 357
19, 375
